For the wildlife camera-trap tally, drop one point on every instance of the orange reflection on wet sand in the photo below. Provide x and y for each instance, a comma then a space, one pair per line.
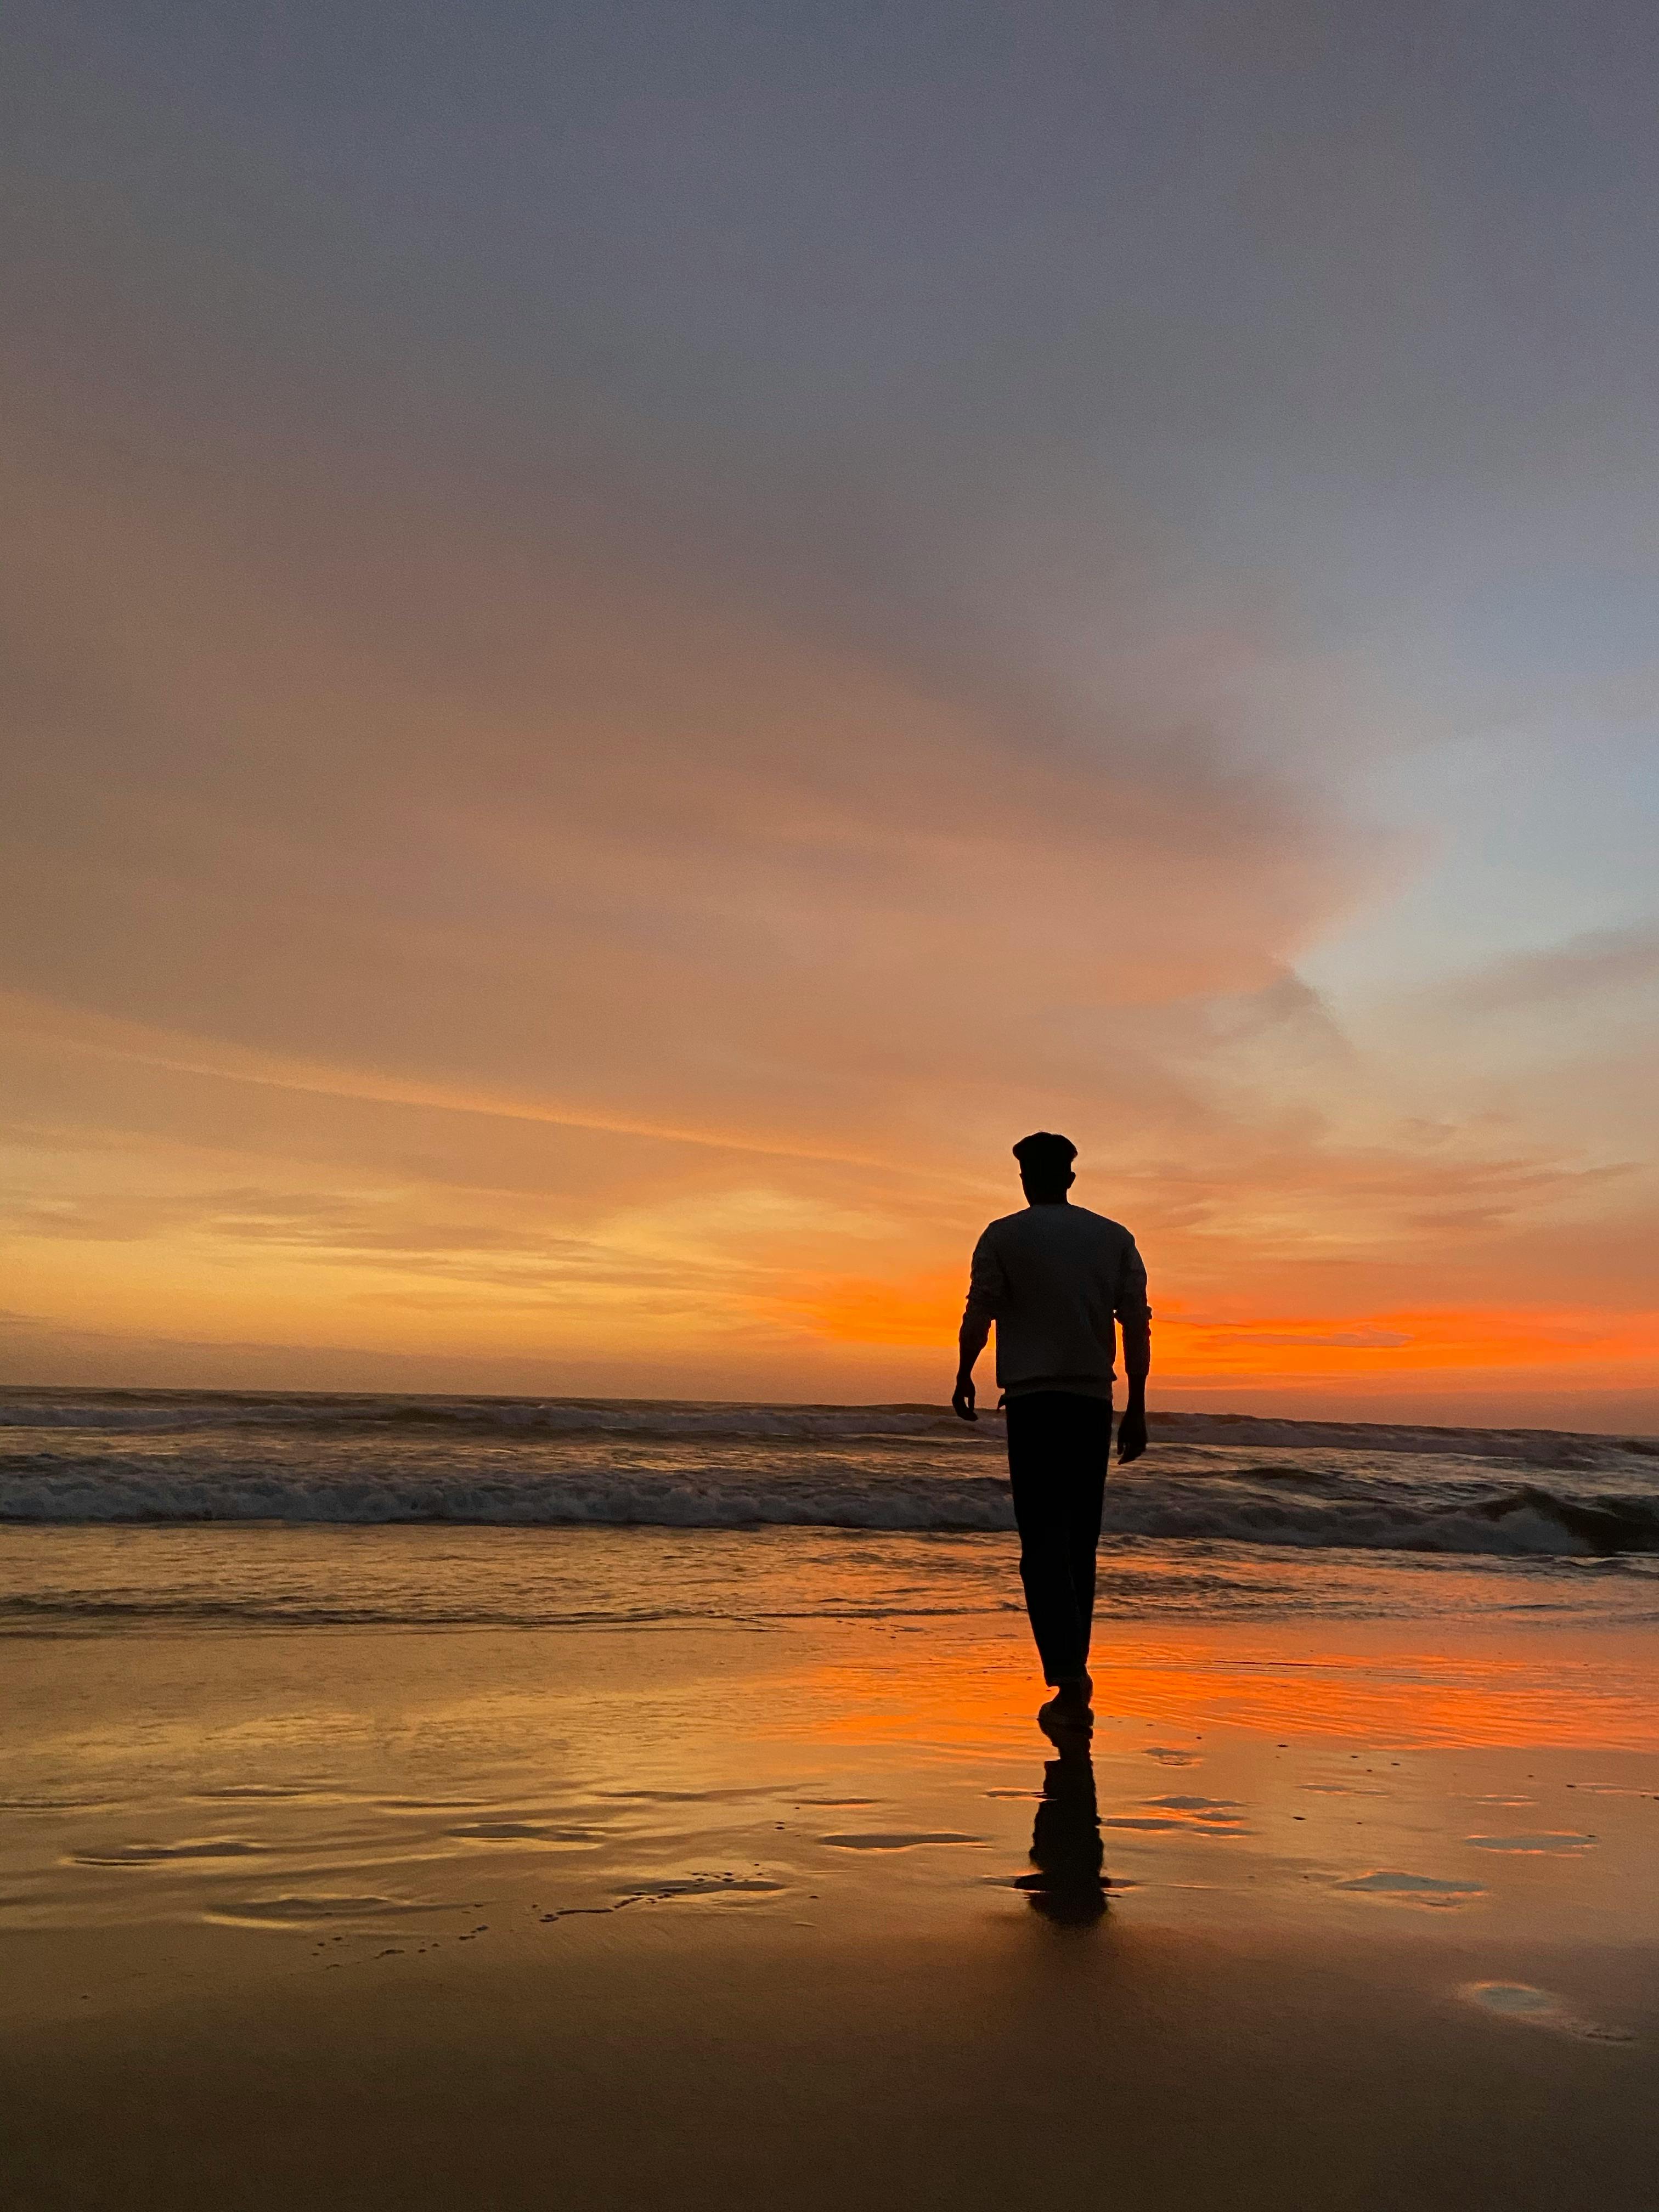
1383, 1684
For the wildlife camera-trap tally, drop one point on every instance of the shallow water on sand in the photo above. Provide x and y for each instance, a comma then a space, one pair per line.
80, 1579
786, 1905
413, 1788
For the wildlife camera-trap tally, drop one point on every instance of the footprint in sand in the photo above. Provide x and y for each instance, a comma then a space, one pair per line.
529, 1832
897, 1839
308, 1911
1413, 1888
1202, 1816
134, 1855
1535, 2008
1552, 1844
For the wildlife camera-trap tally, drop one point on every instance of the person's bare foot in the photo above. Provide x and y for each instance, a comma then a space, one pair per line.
1064, 1725
1068, 1709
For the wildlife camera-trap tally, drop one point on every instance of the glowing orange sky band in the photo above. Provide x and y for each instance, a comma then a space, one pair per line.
926, 1312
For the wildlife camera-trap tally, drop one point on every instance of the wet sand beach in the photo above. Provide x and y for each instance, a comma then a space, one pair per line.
1351, 1911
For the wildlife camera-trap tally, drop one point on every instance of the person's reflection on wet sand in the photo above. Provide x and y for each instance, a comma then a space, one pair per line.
1070, 1883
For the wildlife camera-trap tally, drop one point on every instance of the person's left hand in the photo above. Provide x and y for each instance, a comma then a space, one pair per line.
962, 1399
1131, 1433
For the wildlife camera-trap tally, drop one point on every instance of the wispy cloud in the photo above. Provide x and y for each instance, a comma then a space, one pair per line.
1563, 977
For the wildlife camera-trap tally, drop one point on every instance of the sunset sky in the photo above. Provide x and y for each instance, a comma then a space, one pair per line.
636, 635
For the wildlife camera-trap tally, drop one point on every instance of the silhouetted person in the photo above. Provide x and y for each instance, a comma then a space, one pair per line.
1057, 1280
1069, 1882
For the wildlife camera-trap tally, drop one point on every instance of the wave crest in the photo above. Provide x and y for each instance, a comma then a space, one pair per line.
1529, 1519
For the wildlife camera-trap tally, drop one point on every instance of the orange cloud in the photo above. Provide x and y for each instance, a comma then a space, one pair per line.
925, 1309
1409, 1340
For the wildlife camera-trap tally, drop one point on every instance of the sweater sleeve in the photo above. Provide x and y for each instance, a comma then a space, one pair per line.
987, 1287
1129, 1304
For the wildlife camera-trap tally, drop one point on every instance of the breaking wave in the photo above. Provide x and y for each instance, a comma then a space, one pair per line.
178, 1457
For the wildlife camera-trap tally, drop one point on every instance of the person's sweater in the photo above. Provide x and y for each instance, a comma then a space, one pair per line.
1055, 1279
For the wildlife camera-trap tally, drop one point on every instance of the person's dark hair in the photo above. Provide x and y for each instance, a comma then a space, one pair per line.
1045, 1156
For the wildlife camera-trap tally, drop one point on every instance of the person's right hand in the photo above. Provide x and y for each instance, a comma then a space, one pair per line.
962, 1399
1131, 1433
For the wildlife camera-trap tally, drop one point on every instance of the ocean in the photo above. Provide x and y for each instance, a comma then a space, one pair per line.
146, 1508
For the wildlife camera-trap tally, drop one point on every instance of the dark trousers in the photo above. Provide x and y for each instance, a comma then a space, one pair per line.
1059, 1442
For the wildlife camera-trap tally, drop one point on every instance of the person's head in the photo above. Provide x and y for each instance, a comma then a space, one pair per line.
1045, 1166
